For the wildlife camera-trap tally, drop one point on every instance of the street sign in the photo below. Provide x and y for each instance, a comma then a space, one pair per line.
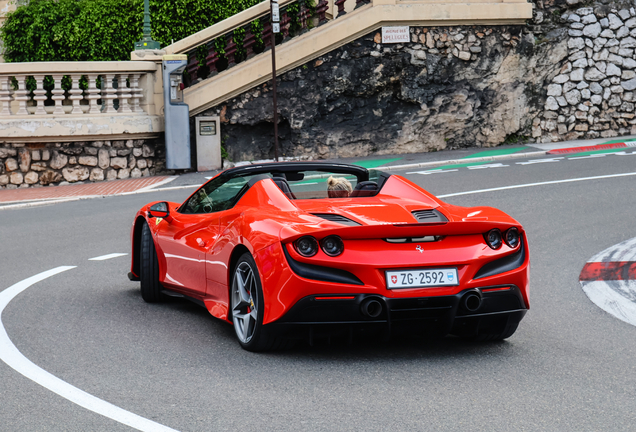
398, 34
275, 12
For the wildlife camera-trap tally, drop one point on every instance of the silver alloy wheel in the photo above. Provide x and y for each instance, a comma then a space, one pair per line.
244, 302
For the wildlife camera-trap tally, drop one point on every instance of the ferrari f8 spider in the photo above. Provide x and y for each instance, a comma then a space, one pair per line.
271, 249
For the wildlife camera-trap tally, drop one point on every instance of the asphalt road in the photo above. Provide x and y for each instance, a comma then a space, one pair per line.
569, 367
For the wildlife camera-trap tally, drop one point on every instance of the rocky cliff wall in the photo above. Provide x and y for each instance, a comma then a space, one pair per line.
450, 87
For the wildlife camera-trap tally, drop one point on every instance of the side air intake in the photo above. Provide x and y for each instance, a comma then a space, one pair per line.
337, 218
429, 216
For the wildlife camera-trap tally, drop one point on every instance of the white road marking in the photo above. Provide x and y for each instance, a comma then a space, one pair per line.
538, 161
622, 252
14, 358
613, 297
537, 184
433, 171
616, 297
107, 257
496, 165
592, 156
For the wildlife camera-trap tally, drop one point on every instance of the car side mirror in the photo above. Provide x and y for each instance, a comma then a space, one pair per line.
159, 210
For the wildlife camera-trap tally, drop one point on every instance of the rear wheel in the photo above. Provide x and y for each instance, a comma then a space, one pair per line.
149, 268
247, 307
500, 331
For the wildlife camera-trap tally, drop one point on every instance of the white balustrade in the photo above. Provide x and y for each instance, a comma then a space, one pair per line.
119, 93
5, 96
58, 95
40, 94
22, 95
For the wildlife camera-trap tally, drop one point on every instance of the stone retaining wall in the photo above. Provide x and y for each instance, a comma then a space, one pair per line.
34, 165
593, 94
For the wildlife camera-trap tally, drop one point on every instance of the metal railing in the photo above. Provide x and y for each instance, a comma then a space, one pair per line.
249, 33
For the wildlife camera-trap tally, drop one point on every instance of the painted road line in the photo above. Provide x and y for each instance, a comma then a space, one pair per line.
14, 358
536, 184
539, 161
107, 257
609, 280
498, 152
599, 147
434, 171
486, 166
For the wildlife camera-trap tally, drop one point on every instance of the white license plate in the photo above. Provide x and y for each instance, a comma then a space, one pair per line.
422, 278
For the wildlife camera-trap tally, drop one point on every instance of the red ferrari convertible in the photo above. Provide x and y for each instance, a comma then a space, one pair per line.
278, 253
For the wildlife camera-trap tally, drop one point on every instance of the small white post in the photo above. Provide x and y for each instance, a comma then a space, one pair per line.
58, 95
5, 96
124, 93
77, 94
93, 94
22, 95
109, 94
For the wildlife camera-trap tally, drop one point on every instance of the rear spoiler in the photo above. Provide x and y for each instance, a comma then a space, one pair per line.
291, 233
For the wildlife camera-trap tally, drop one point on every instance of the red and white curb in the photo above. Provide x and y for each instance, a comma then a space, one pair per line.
597, 147
609, 280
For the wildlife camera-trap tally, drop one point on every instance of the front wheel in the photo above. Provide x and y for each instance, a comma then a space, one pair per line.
247, 307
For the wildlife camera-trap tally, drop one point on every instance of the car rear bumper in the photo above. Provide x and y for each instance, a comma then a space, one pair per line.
459, 314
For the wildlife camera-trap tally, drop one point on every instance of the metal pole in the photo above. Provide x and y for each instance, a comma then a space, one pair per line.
274, 81
146, 41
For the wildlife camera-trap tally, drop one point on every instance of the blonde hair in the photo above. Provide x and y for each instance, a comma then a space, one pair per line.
338, 187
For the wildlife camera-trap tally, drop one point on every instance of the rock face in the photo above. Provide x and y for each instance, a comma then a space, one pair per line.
570, 73
24, 165
450, 87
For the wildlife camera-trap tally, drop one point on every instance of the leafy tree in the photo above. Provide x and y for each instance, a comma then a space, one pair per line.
101, 30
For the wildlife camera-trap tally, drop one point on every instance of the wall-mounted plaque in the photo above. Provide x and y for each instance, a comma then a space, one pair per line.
396, 34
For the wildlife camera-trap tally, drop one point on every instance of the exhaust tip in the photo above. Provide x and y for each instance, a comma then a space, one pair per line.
371, 308
472, 301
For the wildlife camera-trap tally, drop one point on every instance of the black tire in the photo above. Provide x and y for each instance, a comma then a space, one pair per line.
149, 268
497, 332
250, 332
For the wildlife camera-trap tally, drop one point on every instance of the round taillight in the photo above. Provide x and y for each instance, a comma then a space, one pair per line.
307, 246
512, 237
332, 245
493, 238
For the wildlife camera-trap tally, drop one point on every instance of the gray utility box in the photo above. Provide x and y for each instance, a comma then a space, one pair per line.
208, 130
176, 112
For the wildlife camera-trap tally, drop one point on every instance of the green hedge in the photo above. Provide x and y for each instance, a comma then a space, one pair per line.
101, 30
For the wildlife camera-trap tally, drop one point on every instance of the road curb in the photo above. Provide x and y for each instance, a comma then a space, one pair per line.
600, 147
87, 197
463, 161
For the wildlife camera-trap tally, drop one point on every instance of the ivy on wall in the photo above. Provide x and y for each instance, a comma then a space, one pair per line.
102, 30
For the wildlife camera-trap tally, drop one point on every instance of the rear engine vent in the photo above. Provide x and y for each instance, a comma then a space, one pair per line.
425, 239
337, 218
429, 216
